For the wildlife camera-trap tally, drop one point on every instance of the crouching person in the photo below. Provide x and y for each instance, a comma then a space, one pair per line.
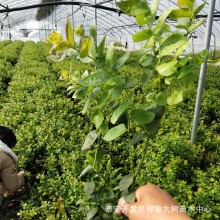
11, 180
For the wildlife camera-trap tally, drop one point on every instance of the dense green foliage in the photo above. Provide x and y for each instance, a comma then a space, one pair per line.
51, 132
4, 43
11, 52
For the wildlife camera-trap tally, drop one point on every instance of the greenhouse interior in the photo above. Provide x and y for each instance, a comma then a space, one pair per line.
110, 109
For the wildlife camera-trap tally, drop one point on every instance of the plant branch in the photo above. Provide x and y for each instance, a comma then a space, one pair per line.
130, 146
141, 162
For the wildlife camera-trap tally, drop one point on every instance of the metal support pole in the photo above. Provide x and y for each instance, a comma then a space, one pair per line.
202, 72
74, 57
55, 18
39, 32
96, 23
9, 30
193, 52
52, 19
96, 42
45, 31
214, 47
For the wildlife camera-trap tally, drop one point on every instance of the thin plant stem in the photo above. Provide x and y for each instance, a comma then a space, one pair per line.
141, 162
159, 60
130, 146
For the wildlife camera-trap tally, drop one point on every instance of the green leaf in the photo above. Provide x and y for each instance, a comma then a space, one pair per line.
112, 82
185, 22
118, 64
79, 201
69, 33
147, 60
176, 97
180, 13
197, 24
142, 116
79, 30
154, 7
91, 213
97, 118
124, 193
181, 49
151, 96
133, 7
109, 55
89, 188
170, 80
96, 197
93, 30
165, 28
117, 91
161, 98
115, 132
85, 46
103, 128
184, 60
172, 43
125, 182
146, 77
79, 94
167, 36
130, 197
199, 57
63, 55
84, 172
186, 3
101, 47
91, 156
189, 78
150, 42
116, 114
90, 139
137, 138
85, 59
153, 127
96, 78
198, 9
86, 107
95, 91
62, 46
167, 69
103, 99
187, 70
131, 83
123, 119
142, 35
161, 19
109, 196
143, 18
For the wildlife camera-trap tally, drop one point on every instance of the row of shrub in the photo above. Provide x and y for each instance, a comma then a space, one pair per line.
4, 43
10, 53
48, 136
51, 132
6, 71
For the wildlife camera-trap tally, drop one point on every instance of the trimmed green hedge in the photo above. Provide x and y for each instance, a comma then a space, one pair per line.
4, 43
10, 53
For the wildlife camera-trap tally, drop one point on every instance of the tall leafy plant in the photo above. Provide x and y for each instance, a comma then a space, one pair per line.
107, 93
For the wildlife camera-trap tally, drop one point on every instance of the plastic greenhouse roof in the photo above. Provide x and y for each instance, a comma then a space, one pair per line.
118, 26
